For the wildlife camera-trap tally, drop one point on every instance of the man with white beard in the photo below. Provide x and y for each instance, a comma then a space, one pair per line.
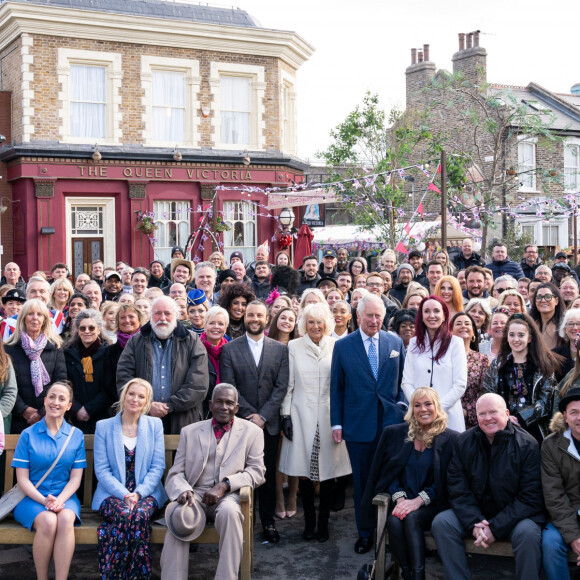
173, 360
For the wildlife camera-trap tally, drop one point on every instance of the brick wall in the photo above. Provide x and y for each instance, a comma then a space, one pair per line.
6, 221
47, 122
12, 81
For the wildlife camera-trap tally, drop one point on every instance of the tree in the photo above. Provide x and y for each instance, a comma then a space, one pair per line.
367, 142
481, 126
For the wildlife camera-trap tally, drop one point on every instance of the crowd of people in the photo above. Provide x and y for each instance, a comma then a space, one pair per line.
454, 386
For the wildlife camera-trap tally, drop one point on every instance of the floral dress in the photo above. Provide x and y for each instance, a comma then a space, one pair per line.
477, 365
124, 551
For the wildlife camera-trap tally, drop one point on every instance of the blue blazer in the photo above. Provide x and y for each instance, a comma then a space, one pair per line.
109, 454
354, 391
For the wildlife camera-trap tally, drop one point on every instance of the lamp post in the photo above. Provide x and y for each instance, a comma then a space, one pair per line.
286, 218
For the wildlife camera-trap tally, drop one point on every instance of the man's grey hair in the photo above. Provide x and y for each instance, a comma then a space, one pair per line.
174, 305
542, 266
224, 386
509, 279
370, 299
37, 279
92, 283
127, 269
206, 265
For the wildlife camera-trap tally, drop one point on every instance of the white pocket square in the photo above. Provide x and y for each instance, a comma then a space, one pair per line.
394, 354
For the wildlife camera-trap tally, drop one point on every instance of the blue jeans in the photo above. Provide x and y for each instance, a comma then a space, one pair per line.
555, 554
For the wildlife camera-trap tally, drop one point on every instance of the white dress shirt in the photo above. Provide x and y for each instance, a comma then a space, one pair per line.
256, 348
366, 341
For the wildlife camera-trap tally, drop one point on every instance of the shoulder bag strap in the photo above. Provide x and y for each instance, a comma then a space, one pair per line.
57, 458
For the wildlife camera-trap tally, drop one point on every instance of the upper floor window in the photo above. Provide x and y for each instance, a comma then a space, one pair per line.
235, 110
572, 167
168, 106
88, 101
527, 165
173, 221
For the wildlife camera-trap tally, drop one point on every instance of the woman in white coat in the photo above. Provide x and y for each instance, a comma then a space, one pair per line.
308, 450
436, 358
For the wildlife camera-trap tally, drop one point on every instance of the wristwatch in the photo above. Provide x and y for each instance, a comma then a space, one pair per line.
227, 482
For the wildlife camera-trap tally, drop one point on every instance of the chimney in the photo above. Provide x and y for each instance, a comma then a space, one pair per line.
419, 75
426, 52
471, 61
420, 55
413, 56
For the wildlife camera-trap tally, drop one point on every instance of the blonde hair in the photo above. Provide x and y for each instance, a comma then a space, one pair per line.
118, 406
318, 311
318, 293
110, 305
437, 427
215, 311
457, 299
512, 292
422, 292
47, 330
56, 285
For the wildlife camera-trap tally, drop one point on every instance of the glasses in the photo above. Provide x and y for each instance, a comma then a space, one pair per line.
501, 290
374, 285
544, 297
87, 328
573, 324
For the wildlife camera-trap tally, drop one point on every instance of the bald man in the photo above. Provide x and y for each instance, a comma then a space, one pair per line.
13, 276
495, 491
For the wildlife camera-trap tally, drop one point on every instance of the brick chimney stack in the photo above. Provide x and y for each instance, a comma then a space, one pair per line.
471, 59
419, 74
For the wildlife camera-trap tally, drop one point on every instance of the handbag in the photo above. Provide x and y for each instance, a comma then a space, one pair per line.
367, 571
15, 495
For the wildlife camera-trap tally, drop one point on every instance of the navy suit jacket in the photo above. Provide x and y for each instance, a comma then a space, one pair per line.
354, 391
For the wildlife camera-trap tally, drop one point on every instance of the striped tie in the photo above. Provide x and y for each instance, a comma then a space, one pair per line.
373, 359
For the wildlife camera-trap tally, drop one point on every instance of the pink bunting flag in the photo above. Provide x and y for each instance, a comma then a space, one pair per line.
438, 168
407, 228
401, 248
433, 187
420, 208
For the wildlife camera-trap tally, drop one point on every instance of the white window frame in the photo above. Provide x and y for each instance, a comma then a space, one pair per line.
573, 143
162, 221
258, 110
528, 171
190, 68
249, 252
113, 78
288, 118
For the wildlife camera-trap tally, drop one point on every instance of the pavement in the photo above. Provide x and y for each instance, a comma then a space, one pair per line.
292, 558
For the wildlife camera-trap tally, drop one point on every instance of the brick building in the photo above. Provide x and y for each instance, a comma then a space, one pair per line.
542, 171
113, 108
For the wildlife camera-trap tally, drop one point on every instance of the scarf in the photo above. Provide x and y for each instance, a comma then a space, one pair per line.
122, 338
33, 350
220, 430
86, 353
214, 353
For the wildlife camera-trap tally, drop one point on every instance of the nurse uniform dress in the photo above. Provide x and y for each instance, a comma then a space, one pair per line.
36, 450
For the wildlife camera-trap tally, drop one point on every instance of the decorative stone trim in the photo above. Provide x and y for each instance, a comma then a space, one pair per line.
27, 83
207, 191
137, 189
44, 187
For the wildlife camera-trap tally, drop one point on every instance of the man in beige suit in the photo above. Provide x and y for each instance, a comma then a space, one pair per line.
215, 458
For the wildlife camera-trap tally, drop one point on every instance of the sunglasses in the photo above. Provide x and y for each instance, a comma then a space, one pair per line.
87, 328
544, 297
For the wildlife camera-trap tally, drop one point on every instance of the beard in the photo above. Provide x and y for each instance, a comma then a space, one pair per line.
256, 331
163, 329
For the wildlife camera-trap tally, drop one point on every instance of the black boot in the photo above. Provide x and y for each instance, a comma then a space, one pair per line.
326, 488
406, 573
418, 574
307, 494
338, 493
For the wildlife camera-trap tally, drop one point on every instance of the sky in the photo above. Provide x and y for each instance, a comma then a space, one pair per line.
365, 45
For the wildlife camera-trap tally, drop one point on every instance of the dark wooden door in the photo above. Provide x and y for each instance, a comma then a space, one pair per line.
85, 251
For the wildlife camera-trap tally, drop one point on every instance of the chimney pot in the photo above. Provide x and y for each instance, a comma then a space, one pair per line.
420, 55
461, 41
426, 52
413, 56
469, 40
476, 38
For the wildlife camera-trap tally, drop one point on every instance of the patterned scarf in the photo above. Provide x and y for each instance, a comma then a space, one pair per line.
33, 350
220, 430
214, 353
123, 338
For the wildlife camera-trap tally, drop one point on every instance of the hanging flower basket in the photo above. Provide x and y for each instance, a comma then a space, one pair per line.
146, 225
221, 226
284, 241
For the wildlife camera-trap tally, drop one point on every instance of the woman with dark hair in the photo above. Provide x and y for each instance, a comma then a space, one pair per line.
283, 327
403, 324
356, 266
570, 381
78, 302
437, 359
234, 300
463, 326
84, 353
342, 314
286, 279
282, 259
547, 310
410, 464
523, 374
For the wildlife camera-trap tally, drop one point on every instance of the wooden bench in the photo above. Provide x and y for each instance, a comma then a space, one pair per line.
382, 500
12, 532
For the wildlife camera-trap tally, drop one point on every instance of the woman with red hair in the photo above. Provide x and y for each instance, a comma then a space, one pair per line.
436, 359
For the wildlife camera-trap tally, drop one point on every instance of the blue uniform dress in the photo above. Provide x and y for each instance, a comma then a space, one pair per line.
35, 451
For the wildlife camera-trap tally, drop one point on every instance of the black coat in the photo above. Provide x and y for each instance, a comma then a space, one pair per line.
94, 397
568, 363
462, 263
54, 362
512, 464
390, 460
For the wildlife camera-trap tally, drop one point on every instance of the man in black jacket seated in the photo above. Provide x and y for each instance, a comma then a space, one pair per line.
495, 491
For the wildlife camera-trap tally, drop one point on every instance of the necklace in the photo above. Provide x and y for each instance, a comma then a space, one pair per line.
129, 429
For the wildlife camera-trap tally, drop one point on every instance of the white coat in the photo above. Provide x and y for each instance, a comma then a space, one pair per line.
308, 403
448, 377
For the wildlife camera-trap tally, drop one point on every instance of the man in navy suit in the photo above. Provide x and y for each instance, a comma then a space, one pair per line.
366, 395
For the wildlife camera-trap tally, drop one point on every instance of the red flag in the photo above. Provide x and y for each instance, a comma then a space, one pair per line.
401, 248
420, 209
438, 168
433, 187
407, 228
